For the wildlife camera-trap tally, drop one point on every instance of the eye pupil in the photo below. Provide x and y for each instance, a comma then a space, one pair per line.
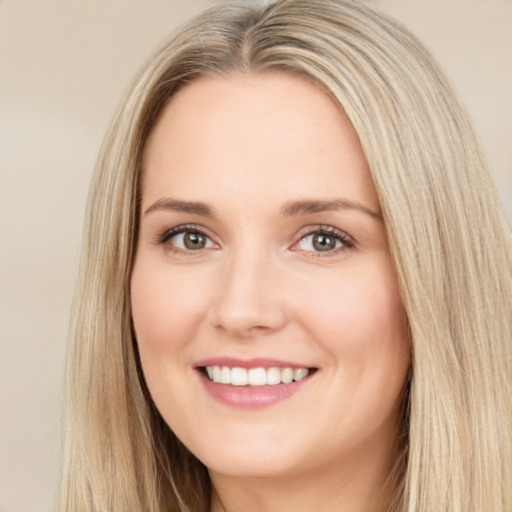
194, 241
322, 242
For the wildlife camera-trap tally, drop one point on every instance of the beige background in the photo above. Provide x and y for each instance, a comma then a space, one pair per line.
63, 66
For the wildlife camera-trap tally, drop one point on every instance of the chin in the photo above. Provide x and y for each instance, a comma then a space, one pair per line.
257, 459
247, 467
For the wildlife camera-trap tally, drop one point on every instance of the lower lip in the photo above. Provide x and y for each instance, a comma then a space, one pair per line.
247, 397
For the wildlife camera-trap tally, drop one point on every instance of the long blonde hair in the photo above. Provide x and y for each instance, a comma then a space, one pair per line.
449, 241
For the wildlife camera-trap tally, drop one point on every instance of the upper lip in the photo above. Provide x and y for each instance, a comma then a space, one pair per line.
260, 362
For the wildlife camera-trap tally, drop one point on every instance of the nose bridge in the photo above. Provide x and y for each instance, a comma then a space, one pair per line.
248, 301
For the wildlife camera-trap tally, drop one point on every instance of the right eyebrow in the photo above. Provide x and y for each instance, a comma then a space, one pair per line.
180, 206
309, 206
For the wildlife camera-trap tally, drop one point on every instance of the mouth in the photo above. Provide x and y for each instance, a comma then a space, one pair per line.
255, 383
254, 377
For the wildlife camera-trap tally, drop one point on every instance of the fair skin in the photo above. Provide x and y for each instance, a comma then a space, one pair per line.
261, 246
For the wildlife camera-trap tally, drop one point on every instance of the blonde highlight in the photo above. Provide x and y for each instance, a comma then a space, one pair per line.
448, 237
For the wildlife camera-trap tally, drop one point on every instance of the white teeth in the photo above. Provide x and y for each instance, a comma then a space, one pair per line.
238, 377
300, 373
287, 375
255, 376
273, 376
225, 375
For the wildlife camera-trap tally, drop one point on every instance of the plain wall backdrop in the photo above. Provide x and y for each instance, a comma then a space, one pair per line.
63, 67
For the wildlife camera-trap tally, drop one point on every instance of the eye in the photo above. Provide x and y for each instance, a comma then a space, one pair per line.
320, 242
186, 238
324, 240
191, 241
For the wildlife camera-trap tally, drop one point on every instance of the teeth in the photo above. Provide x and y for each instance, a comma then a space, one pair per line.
238, 376
300, 373
274, 376
225, 375
255, 376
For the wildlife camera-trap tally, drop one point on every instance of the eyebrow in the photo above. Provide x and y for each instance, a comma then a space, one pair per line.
290, 209
181, 206
308, 206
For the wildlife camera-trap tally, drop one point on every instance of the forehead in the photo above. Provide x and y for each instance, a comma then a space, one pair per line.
254, 132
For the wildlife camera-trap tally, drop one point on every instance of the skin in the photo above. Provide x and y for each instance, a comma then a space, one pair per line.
246, 147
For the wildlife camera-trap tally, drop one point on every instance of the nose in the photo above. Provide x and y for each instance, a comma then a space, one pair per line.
250, 300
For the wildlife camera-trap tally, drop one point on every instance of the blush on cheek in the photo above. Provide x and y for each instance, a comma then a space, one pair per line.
146, 313
165, 310
361, 316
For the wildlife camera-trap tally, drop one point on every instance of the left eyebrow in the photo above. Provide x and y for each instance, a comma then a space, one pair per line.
181, 206
308, 206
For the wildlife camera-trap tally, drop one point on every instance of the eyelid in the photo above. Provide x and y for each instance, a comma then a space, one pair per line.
163, 237
348, 242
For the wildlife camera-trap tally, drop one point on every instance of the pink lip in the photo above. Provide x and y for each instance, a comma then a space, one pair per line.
248, 397
247, 363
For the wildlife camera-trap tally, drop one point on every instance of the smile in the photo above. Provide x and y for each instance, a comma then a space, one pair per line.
255, 383
256, 377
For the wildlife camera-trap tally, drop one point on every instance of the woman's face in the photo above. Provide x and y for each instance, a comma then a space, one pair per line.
267, 312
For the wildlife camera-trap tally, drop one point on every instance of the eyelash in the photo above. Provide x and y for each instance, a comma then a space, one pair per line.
347, 242
178, 230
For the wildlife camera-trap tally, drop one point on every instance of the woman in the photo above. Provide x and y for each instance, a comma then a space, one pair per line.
295, 286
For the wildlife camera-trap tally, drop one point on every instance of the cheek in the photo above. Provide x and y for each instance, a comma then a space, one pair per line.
356, 308
166, 311
364, 329
165, 308
360, 321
